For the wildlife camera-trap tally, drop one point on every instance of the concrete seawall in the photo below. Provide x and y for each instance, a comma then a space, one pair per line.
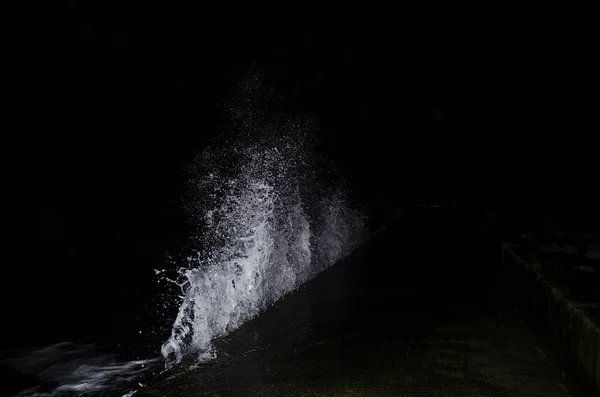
564, 324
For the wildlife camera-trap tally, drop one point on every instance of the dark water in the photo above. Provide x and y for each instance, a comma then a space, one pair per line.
89, 309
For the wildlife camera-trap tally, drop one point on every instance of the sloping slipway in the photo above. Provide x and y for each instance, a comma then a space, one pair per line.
401, 317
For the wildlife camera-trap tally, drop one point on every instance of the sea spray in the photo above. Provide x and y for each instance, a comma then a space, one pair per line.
270, 214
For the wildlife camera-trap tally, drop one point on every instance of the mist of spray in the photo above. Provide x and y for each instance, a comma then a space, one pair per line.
270, 214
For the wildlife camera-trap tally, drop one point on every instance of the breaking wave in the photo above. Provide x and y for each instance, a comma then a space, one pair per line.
270, 214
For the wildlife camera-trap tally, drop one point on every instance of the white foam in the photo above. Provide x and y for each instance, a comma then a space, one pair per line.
75, 369
268, 224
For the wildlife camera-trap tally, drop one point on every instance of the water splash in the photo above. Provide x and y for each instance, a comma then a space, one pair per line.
70, 369
271, 215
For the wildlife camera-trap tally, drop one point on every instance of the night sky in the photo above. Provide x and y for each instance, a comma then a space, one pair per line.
116, 97
126, 95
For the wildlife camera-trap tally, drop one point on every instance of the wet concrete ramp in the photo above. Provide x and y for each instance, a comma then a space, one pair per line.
420, 311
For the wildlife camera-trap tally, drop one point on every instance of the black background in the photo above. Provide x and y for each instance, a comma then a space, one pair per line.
113, 98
